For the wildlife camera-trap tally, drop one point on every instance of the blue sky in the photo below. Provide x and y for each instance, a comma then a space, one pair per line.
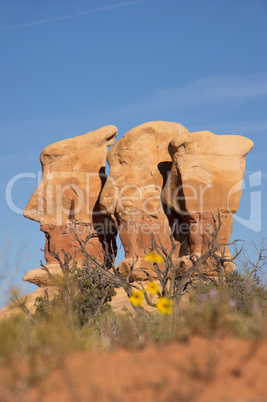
69, 67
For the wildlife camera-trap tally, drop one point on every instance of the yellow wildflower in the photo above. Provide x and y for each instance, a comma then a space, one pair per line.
136, 297
152, 287
154, 257
164, 305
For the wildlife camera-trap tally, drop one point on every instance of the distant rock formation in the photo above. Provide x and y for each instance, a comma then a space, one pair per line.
139, 166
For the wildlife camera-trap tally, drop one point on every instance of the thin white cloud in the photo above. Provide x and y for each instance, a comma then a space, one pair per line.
236, 127
215, 89
74, 15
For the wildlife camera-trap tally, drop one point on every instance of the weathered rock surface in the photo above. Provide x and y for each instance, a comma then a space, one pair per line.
29, 301
206, 177
139, 165
73, 176
40, 277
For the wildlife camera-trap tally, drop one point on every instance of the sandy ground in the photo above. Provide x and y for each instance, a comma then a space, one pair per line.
196, 370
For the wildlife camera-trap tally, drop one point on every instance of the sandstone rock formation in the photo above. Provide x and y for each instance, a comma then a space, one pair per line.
73, 176
161, 177
139, 165
206, 177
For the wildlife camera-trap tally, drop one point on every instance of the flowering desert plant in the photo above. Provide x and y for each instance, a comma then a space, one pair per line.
173, 280
136, 297
164, 293
164, 305
176, 276
152, 288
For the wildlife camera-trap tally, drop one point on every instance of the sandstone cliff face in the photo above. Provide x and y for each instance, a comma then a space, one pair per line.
206, 177
73, 175
139, 165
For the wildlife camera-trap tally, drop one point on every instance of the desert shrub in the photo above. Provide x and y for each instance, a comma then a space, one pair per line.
94, 293
213, 314
240, 289
248, 292
82, 293
236, 306
44, 306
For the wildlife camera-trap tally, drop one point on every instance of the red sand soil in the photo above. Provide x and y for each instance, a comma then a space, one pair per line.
199, 370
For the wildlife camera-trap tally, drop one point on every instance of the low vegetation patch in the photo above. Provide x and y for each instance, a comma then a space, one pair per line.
81, 318
31, 348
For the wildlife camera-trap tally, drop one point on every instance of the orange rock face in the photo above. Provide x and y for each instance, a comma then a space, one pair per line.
206, 177
73, 176
139, 166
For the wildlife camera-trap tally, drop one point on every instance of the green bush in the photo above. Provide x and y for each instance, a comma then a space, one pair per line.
94, 293
82, 293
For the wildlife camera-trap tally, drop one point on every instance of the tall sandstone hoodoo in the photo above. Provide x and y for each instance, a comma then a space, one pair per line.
72, 179
205, 179
139, 166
